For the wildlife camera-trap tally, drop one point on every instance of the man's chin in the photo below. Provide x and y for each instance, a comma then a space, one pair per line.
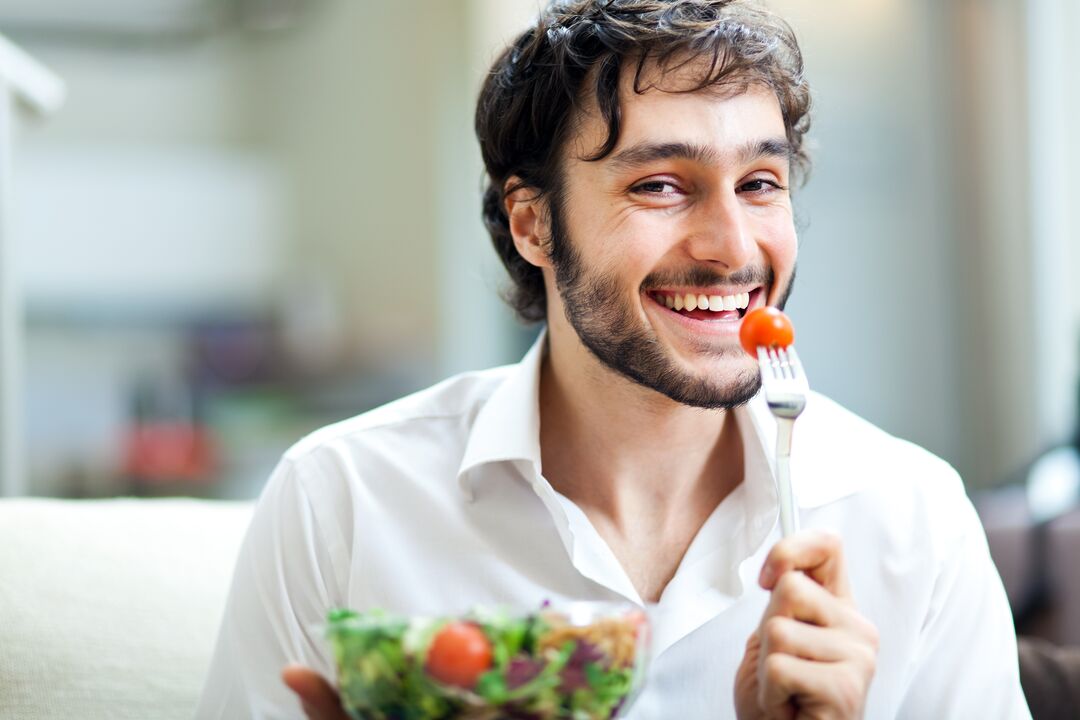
710, 391
724, 365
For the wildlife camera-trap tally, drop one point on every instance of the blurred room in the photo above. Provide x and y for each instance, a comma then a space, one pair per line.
234, 231
251, 218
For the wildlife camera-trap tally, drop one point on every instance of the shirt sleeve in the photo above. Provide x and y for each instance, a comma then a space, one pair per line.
967, 664
282, 587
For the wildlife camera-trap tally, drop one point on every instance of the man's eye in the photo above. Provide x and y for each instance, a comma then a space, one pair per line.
656, 187
760, 186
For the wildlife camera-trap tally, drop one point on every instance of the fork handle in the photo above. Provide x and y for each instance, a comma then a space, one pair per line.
789, 519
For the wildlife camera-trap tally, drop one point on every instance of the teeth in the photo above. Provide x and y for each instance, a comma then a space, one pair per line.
715, 303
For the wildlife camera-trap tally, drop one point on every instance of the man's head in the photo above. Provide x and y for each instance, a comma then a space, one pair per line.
639, 150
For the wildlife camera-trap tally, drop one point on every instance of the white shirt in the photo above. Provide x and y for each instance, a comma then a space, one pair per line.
436, 502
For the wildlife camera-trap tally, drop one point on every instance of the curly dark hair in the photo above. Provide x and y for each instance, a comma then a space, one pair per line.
528, 102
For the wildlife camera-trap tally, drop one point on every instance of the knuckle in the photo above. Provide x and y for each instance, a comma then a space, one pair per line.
792, 593
871, 664
775, 632
772, 668
862, 629
865, 659
780, 553
873, 637
831, 542
787, 585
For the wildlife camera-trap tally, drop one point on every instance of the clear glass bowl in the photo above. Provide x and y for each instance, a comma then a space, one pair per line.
572, 660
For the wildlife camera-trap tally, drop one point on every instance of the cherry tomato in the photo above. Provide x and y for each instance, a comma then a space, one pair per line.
765, 327
459, 654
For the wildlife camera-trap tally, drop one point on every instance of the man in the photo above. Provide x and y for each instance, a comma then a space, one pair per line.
637, 151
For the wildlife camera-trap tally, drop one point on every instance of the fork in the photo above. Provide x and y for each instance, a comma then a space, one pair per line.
784, 381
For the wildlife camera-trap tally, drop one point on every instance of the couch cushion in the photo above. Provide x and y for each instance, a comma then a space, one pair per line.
110, 608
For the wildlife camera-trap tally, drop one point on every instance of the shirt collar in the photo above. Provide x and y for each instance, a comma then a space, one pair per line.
507, 428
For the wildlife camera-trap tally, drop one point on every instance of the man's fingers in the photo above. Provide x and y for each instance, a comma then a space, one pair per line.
746, 687
796, 596
319, 698
817, 553
784, 681
817, 654
810, 642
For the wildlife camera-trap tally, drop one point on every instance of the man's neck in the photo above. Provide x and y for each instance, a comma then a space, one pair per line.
648, 471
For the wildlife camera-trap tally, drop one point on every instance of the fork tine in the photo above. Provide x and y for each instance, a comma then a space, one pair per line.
774, 361
796, 364
781, 364
765, 361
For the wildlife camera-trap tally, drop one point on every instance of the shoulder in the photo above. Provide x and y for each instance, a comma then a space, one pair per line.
453, 401
412, 441
382, 463
886, 477
853, 446
903, 512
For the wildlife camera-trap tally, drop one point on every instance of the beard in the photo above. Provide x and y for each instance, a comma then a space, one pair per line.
611, 329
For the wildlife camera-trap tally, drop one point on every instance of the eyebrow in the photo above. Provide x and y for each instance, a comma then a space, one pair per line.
644, 153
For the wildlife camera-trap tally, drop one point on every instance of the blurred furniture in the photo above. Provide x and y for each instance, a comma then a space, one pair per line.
110, 608
1050, 676
1034, 535
38, 90
1033, 529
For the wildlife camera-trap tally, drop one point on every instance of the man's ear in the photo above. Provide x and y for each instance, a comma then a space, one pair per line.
530, 223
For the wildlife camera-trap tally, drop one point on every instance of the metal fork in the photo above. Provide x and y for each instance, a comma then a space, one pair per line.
784, 381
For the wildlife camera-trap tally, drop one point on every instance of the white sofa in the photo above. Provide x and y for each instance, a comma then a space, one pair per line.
109, 608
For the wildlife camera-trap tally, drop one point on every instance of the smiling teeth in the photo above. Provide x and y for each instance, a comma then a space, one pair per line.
715, 303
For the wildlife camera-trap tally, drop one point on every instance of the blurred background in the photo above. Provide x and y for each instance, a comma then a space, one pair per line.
250, 218
253, 217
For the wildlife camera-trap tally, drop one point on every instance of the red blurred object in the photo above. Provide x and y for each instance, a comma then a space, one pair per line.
162, 452
459, 654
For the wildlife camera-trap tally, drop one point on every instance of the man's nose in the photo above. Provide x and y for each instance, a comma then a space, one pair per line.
723, 233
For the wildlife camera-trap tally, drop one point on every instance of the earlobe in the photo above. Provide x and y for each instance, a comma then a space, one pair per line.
529, 224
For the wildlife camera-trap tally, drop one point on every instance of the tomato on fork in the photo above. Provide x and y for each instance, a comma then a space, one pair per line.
765, 327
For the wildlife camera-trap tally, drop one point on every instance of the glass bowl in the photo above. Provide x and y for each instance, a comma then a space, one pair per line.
579, 660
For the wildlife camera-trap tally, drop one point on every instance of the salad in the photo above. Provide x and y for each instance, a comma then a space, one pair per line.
582, 662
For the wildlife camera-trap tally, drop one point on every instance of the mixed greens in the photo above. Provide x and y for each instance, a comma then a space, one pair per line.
487, 665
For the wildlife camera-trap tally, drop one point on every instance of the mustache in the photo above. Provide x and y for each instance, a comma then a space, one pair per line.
702, 276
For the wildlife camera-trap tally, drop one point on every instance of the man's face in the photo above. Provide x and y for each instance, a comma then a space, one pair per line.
692, 203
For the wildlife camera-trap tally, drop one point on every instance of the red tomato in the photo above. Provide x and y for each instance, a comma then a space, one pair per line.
459, 654
765, 327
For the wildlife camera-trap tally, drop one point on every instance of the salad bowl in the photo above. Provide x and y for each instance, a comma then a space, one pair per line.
580, 661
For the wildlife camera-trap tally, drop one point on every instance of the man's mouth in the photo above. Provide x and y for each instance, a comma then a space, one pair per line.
707, 305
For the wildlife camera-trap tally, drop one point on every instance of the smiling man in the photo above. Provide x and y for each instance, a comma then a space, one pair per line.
640, 155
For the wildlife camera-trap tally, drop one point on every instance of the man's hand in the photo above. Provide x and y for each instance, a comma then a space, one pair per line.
318, 697
813, 655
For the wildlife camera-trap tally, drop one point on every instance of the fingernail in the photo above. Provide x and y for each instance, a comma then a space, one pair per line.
767, 576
